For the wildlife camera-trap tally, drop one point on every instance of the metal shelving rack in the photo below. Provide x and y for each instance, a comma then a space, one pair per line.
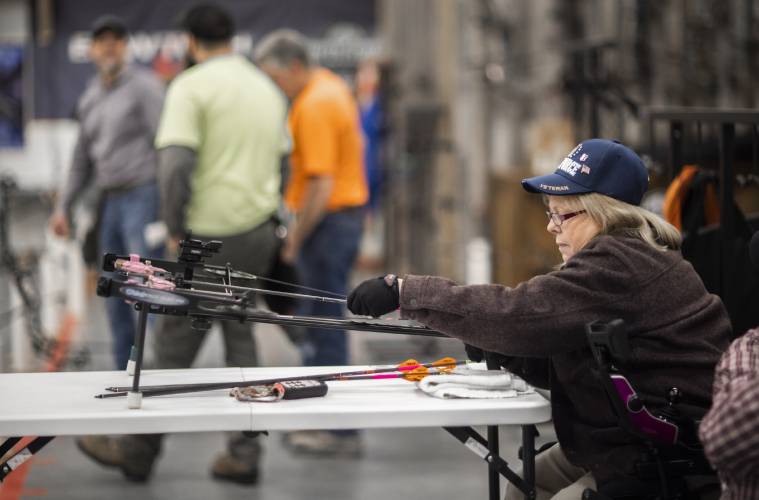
726, 120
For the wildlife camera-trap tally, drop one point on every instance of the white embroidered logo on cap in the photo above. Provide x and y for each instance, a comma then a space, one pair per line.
576, 150
569, 166
554, 188
584, 157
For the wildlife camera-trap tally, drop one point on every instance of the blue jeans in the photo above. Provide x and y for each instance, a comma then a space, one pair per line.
325, 262
122, 231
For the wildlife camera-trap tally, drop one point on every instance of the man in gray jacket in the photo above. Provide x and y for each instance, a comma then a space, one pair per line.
118, 115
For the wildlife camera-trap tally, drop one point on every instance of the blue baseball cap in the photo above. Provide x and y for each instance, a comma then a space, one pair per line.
596, 166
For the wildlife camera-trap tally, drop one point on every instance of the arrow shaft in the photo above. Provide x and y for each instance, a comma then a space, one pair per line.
165, 390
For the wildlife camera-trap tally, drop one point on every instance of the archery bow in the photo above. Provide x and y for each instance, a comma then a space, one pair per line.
165, 287
168, 287
410, 370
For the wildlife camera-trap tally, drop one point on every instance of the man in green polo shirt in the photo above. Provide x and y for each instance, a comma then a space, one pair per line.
220, 142
231, 119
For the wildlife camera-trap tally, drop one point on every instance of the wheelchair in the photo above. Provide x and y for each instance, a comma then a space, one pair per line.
673, 466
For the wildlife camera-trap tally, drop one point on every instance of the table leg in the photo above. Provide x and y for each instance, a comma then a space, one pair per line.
8, 444
479, 446
21, 456
528, 460
494, 483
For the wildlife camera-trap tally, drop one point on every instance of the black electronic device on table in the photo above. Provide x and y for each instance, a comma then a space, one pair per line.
301, 389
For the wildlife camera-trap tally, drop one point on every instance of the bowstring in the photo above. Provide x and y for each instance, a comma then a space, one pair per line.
280, 282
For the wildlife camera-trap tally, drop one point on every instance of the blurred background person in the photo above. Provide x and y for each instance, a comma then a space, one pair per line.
367, 84
221, 138
367, 95
118, 115
327, 192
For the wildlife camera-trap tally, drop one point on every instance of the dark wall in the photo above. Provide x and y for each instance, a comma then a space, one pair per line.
340, 32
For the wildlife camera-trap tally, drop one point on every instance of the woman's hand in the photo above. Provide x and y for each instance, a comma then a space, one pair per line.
375, 297
59, 224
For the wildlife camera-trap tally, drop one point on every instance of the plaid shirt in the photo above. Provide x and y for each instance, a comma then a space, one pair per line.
730, 431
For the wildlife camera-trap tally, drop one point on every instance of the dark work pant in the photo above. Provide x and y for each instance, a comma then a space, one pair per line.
177, 344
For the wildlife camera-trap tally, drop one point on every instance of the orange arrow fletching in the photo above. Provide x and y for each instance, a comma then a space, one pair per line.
445, 365
416, 374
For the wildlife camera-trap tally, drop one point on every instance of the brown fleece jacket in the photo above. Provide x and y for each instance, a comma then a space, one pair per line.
677, 333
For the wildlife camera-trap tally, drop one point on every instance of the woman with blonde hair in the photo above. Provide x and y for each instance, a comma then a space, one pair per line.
619, 261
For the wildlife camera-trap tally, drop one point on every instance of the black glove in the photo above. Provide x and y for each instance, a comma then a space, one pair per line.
375, 297
491, 358
474, 353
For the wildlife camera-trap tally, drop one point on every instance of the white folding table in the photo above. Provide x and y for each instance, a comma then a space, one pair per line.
53, 404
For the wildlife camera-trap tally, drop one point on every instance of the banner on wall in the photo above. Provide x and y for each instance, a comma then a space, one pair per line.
340, 34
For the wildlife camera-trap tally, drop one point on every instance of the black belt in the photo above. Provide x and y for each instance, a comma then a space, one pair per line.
349, 210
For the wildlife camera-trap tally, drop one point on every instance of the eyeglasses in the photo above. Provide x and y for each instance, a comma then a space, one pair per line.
558, 219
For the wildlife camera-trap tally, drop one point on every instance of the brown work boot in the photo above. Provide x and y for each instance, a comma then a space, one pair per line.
228, 468
111, 452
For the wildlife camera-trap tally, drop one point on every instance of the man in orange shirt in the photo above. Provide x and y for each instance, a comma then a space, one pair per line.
327, 192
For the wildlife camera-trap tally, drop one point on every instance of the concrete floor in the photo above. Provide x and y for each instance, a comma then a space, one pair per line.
418, 462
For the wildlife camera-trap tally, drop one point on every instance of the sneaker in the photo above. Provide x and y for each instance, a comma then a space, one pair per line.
228, 468
108, 451
287, 438
325, 444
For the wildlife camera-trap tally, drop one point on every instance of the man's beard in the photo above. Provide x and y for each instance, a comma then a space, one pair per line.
110, 69
189, 61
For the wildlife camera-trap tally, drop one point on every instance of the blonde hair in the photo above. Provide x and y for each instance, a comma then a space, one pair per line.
616, 217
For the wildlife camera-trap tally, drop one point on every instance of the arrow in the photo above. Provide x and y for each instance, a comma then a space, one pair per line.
409, 366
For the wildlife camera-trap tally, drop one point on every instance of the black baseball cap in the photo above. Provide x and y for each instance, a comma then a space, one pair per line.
596, 166
109, 24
